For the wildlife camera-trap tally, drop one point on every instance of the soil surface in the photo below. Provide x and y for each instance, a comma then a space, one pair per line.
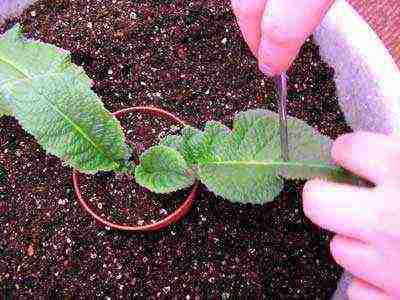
187, 57
117, 197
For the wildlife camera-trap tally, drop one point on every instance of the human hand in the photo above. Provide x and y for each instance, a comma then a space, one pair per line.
276, 29
366, 220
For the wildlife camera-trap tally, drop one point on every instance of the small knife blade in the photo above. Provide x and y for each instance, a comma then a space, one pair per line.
281, 83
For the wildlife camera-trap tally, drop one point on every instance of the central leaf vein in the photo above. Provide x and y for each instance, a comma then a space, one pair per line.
15, 67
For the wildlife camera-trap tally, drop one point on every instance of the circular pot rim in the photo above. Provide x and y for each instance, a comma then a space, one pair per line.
173, 217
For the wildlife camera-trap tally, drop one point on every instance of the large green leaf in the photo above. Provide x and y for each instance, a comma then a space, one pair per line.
163, 170
305, 143
238, 181
197, 146
252, 164
53, 101
5, 110
245, 164
238, 168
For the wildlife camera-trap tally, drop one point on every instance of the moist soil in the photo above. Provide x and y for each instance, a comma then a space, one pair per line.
189, 58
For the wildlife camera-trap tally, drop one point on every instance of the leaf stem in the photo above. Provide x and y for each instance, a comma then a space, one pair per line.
135, 152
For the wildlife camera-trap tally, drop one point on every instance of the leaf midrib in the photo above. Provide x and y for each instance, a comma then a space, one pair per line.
271, 163
69, 120
82, 132
15, 67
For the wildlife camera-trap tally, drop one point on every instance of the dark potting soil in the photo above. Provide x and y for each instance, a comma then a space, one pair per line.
187, 57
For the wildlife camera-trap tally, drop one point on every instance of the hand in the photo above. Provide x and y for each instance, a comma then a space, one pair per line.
366, 220
276, 29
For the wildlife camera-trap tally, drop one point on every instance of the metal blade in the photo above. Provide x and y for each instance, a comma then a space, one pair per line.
281, 83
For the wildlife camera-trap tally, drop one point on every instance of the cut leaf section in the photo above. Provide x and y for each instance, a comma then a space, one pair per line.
163, 170
52, 99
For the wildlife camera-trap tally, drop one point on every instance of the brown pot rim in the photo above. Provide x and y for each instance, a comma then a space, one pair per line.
173, 217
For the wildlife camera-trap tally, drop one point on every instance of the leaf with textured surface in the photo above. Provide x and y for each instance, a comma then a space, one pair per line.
241, 182
53, 101
163, 170
192, 141
172, 141
239, 172
5, 110
310, 153
245, 164
203, 146
305, 143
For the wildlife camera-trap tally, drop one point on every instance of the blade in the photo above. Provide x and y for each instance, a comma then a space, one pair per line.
281, 83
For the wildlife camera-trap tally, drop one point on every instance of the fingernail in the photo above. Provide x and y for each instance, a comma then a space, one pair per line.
266, 70
262, 55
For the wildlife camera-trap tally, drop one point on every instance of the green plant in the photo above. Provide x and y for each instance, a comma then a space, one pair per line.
243, 164
53, 101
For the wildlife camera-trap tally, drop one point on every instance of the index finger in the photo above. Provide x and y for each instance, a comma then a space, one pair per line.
285, 25
249, 14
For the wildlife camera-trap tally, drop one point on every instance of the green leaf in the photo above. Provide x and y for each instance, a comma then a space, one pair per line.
171, 141
163, 170
256, 136
310, 153
192, 139
239, 171
53, 101
197, 146
245, 165
305, 143
215, 136
5, 110
250, 182
314, 169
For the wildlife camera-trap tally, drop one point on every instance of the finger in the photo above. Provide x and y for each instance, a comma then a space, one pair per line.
285, 26
359, 290
345, 209
367, 262
372, 156
248, 14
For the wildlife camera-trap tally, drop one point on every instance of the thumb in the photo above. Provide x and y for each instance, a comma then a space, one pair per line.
285, 26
